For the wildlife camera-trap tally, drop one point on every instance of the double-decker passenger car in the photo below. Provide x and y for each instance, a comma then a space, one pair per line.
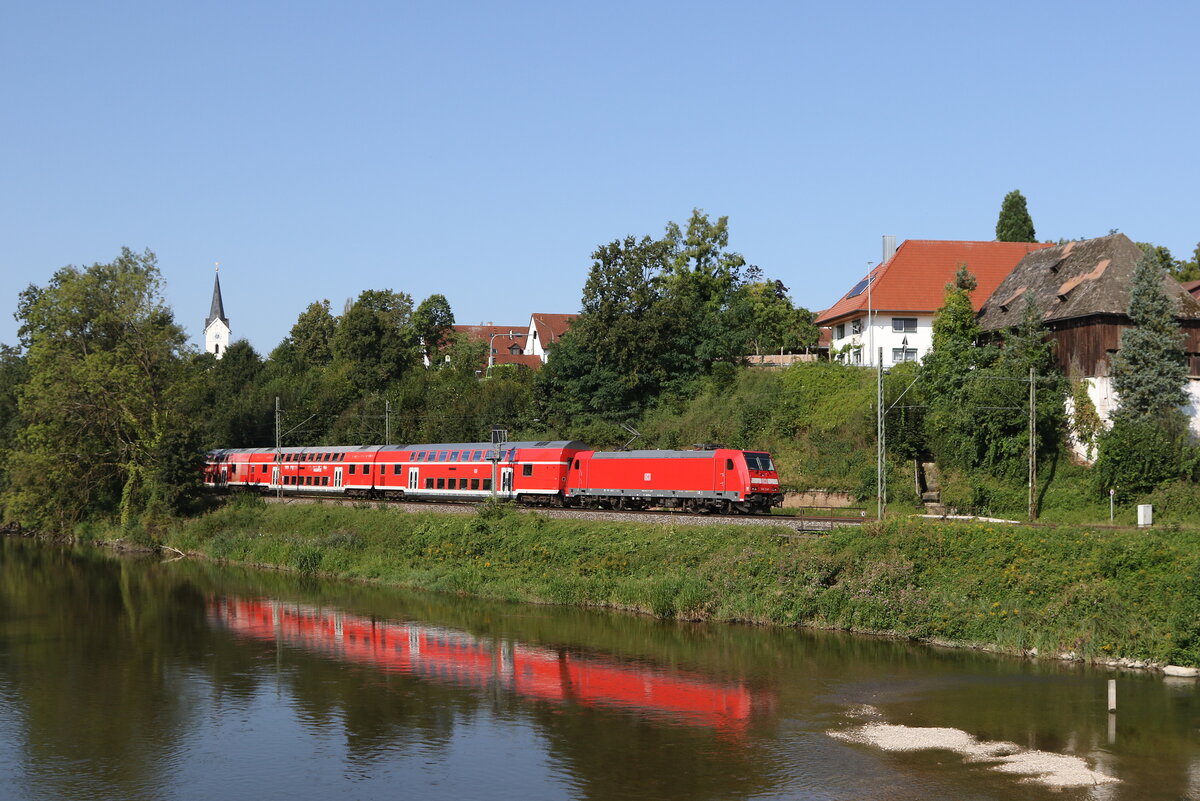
558, 473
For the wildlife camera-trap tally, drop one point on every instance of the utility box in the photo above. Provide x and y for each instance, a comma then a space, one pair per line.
1145, 515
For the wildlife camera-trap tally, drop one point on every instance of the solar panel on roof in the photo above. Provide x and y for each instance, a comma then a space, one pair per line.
859, 287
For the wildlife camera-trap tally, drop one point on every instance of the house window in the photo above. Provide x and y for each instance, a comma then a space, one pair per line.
839, 331
904, 355
858, 357
907, 325
856, 326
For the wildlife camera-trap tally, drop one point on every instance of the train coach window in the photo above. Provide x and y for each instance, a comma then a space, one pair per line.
324, 481
527, 470
462, 483
352, 468
475, 483
442, 456
478, 456
454, 456
308, 481
429, 483
366, 469
487, 483
395, 470
441, 483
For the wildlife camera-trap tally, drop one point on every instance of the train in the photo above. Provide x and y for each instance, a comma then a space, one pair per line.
560, 474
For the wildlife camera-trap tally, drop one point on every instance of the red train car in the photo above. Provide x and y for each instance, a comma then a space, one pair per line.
529, 472
716, 480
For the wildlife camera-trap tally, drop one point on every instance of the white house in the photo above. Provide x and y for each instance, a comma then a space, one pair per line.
893, 306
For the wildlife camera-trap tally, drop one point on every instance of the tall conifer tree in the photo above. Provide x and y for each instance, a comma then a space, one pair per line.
1150, 370
1015, 224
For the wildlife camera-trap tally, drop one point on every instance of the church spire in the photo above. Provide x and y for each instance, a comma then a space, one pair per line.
216, 326
217, 312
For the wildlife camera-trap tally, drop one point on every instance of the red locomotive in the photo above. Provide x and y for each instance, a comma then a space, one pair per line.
537, 473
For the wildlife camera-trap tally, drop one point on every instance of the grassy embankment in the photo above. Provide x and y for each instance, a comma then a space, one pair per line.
1099, 594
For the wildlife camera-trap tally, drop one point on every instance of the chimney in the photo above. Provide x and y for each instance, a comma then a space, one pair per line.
889, 247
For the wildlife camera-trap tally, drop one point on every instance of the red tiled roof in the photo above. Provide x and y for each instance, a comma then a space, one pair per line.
915, 278
1193, 287
550, 327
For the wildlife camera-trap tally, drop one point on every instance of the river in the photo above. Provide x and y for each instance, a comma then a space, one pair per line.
142, 678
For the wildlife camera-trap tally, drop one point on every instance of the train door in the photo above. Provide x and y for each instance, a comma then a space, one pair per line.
337, 477
413, 477
506, 480
725, 474
275, 476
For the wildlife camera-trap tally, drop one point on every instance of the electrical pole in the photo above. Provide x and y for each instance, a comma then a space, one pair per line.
880, 462
1032, 445
278, 454
387, 422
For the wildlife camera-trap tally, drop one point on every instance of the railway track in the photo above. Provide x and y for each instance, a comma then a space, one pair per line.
792, 524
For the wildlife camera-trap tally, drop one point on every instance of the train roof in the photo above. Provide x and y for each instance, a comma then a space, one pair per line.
654, 455
436, 446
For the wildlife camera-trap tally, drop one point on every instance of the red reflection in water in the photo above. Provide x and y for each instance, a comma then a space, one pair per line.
457, 657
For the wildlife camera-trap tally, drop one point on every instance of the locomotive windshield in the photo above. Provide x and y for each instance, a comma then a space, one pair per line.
759, 461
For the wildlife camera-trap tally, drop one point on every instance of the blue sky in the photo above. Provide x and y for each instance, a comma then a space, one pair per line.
484, 150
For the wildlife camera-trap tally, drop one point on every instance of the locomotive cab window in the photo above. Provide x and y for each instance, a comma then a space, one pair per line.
728, 464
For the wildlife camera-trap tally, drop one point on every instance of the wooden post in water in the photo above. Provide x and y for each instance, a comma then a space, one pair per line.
1112, 696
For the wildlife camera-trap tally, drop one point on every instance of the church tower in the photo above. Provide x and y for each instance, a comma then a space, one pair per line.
216, 327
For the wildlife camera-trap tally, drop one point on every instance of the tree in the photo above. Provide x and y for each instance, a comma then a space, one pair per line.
772, 323
376, 336
657, 314
434, 323
103, 428
1015, 224
312, 335
1150, 369
1149, 442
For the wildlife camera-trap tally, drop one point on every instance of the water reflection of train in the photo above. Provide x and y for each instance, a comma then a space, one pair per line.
448, 655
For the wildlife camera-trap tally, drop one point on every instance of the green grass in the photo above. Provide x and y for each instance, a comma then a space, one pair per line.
1096, 593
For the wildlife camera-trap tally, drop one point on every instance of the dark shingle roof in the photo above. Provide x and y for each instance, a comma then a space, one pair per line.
1075, 280
217, 310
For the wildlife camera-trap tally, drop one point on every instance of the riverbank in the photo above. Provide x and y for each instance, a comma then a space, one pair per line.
1122, 596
